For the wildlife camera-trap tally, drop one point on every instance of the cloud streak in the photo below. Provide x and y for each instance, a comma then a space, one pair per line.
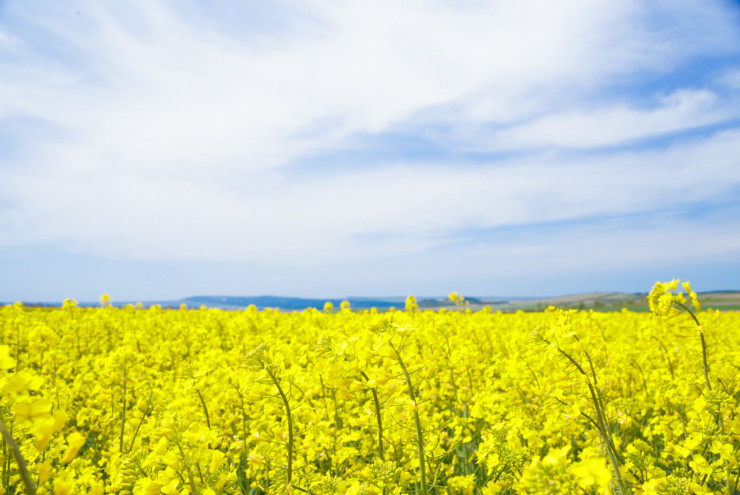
183, 218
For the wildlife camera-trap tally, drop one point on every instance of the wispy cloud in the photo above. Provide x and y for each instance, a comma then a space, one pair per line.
320, 219
617, 124
156, 130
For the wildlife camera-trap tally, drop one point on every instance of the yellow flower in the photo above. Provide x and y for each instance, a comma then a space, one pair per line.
32, 410
6, 362
169, 489
60, 419
700, 464
217, 459
43, 469
22, 381
42, 430
95, 488
62, 486
221, 482
147, 486
593, 472
411, 304
75, 441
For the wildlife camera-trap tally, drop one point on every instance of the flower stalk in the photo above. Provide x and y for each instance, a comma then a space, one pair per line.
22, 468
417, 422
289, 416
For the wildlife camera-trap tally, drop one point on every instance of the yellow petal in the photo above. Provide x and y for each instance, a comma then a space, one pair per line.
6, 362
42, 430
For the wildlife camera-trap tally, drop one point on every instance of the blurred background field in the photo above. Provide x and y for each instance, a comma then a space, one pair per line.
599, 301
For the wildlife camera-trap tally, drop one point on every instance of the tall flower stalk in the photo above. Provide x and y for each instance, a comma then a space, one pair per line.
668, 304
417, 421
260, 359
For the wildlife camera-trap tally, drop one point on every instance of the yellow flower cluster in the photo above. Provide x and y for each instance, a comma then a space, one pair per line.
148, 401
664, 301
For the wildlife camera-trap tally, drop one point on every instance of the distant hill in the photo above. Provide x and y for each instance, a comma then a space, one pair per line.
287, 303
603, 301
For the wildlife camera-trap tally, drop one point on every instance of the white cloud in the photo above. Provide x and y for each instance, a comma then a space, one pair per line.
172, 134
336, 218
681, 110
155, 87
731, 78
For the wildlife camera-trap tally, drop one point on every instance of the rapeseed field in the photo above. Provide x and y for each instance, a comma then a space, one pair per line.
204, 401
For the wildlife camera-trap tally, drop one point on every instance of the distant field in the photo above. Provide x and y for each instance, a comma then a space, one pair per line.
605, 301
633, 302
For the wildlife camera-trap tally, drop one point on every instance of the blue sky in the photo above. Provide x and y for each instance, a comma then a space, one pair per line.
161, 149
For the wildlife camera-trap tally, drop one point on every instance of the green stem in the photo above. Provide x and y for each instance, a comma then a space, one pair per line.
187, 466
601, 422
205, 409
704, 359
419, 432
5, 463
667, 358
289, 470
241, 470
720, 422
141, 422
644, 381
703, 344
22, 468
377, 413
304, 490
123, 408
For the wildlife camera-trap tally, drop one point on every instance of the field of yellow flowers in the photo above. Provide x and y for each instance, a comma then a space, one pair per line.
148, 401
